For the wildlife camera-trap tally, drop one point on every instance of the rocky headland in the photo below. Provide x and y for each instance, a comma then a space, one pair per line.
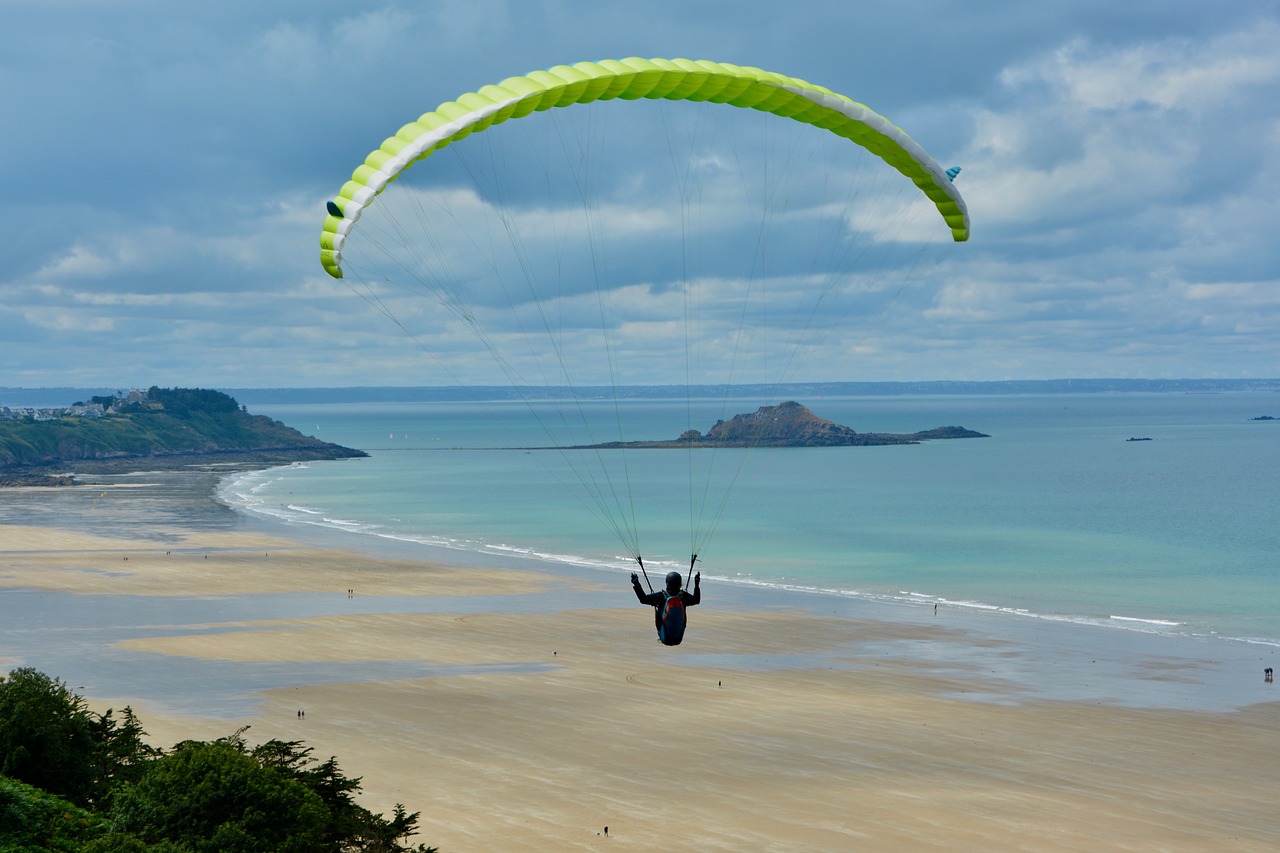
160, 428
788, 425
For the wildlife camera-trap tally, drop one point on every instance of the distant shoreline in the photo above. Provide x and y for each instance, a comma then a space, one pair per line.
156, 428
81, 472
360, 394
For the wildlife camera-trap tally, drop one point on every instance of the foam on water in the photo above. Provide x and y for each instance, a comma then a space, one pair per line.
1055, 518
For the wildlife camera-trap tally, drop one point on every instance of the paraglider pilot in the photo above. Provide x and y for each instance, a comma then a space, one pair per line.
669, 605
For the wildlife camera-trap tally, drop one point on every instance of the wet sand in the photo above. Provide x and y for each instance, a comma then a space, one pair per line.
772, 728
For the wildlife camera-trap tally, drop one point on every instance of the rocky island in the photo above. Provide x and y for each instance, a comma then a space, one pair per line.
160, 428
787, 425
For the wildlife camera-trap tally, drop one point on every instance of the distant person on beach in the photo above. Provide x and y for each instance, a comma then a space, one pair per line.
669, 605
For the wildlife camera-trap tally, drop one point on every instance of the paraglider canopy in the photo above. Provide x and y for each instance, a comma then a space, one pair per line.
631, 79
642, 263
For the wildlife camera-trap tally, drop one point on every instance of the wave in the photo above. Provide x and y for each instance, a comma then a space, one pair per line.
243, 493
246, 492
1146, 621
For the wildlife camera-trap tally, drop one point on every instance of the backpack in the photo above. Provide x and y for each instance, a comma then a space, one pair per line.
671, 619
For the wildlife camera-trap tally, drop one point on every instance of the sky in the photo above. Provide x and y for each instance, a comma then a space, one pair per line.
166, 165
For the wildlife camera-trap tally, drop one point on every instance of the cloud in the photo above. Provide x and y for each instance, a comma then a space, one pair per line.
1172, 74
1106, 183
167, 168
291, 50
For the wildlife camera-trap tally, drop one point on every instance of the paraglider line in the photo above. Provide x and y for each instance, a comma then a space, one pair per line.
640, 560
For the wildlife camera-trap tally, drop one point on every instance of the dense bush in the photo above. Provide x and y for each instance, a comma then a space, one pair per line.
181, 401
213, 798
47, 737
33, 821
89, 783
50, 740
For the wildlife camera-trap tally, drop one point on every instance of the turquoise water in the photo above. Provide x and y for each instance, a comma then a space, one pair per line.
1054, 516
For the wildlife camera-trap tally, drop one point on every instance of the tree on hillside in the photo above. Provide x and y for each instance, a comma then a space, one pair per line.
351, 826
219, 797
122, 752
47, 736
49, 739
226, 797
181, 401
213, 798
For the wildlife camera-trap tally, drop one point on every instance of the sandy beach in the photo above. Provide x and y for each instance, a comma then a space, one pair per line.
543, 717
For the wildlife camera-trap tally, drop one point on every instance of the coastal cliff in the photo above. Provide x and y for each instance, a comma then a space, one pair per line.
158, 428
789, 425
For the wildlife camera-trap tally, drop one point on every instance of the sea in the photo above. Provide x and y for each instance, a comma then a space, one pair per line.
1055, 559
1136, 512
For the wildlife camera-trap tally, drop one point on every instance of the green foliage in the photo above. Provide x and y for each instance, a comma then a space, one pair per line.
122, 752
213, 798
170, 421
118, 842
47, 737
183, 401
351, 827
107, 791
34, 821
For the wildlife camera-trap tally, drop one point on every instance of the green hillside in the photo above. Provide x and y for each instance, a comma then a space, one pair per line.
164, 426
